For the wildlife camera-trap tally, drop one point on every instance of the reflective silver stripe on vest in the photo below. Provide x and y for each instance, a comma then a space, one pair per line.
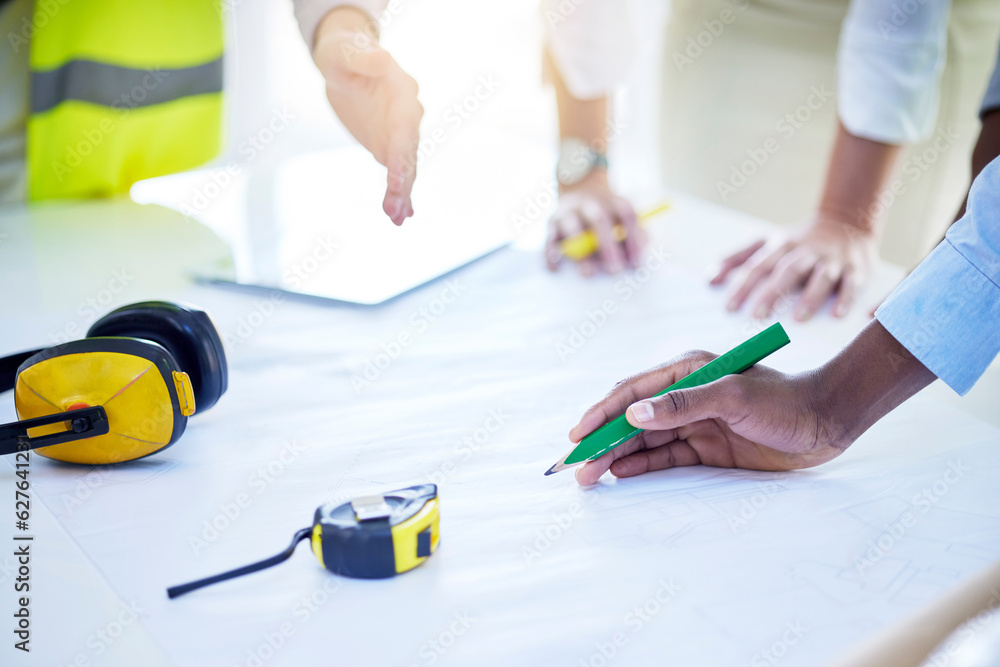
121, 87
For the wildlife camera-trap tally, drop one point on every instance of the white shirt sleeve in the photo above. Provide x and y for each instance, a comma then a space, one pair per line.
310, 12
590, 42
891, 56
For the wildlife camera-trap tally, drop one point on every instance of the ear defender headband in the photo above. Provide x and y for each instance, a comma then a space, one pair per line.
122, 393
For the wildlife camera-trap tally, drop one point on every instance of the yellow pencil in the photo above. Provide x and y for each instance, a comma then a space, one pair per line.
586, 244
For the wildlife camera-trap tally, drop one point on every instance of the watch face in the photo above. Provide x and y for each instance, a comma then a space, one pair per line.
575, 161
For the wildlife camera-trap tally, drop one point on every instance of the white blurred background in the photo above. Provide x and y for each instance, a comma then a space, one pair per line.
447, 48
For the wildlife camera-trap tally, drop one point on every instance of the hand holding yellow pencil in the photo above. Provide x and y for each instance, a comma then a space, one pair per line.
586, 244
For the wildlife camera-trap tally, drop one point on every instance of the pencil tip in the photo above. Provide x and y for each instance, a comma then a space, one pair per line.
551, 470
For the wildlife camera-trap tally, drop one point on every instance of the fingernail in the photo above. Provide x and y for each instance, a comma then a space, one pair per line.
732, 305
643, 412
802, 314
760, 313
841, 310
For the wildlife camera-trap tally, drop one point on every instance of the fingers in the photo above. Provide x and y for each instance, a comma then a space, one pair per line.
735, 260
592, 471
671, 455
635, 237
849, 287
819, 258
721, 399
635, 388
610, 251
553, 253
822, 283
611, 219
761, 265
563, 224
401, 150
786, 277
397, 204
588, 267
401, 162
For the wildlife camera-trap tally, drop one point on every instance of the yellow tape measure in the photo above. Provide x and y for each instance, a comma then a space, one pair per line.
371, 537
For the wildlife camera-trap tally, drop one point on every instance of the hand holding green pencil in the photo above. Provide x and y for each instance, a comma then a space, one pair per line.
760, 419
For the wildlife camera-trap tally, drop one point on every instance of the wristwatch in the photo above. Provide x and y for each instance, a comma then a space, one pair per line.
576, 160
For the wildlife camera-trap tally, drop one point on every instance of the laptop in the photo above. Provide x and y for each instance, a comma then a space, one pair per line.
314, 224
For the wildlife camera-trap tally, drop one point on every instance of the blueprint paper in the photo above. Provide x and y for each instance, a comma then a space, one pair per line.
693, 566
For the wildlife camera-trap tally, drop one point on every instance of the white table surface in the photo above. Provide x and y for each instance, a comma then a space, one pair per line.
695, 566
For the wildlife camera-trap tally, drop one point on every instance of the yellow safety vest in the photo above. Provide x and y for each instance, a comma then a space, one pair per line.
121, 90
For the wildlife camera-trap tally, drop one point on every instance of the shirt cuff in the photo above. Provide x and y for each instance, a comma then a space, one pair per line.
946, 313
889, 66
887, 96
310, 12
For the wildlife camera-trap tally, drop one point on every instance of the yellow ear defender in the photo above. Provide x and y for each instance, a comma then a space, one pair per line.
122, 393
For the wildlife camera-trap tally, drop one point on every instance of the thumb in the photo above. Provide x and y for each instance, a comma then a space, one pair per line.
370, 61
716, 400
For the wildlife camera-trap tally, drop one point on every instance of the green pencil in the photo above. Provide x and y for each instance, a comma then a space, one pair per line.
618, 430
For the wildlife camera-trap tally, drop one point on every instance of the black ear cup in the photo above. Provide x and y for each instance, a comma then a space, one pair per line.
188, 334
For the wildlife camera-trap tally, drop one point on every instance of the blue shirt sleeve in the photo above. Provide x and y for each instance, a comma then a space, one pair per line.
947, 312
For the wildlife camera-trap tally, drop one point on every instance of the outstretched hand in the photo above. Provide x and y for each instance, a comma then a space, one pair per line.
374, 99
